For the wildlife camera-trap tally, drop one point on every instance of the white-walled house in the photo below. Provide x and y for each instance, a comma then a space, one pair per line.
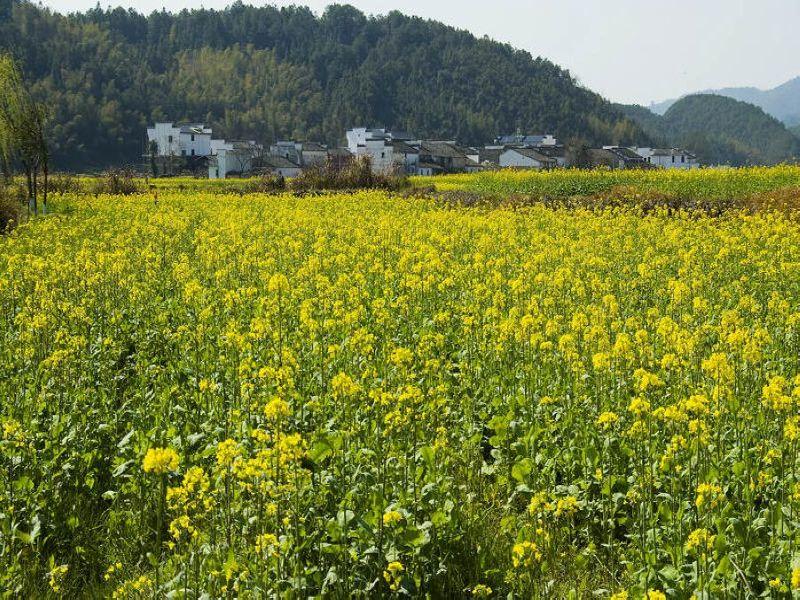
278, 165
669, 158
305, 154
181, 139
525, 158
232, 157
379, 145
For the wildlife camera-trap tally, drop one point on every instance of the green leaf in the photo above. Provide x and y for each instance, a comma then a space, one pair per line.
522, 469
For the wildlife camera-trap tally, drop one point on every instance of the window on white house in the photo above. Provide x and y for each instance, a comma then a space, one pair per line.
683, 158
192, 151
192, 137
673, 158
169, 139
183, 152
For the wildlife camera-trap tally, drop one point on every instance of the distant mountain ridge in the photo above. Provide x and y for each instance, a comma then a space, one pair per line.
782, 102
720, 130
267, 73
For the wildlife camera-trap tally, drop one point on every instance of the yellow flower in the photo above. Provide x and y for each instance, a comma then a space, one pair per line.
791, 429
700, 542
607, 419
601, 361
112, 568
394, 575
181, 528
482, 591
278, 283
796, 578
391, 517
228, 452
525, 554
343, 386
718, 368
267, 543
777, 584
774, 396
160, 460
276, 409
57, 576
401, 357
647, 380
708, 494
656, 595
623, 595
566, 506
639, 406
539, 503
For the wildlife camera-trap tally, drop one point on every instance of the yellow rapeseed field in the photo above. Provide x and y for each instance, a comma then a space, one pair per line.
362, 395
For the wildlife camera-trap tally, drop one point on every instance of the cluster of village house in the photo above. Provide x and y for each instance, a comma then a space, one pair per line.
174, 148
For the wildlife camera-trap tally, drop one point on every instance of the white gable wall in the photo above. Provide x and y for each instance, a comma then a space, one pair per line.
512, 158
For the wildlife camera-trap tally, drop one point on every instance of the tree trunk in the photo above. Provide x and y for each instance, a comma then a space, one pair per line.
29, 182
35, 191
45, 170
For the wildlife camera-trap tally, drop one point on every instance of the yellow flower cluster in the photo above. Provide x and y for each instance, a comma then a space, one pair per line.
525, 555
394, 575
353, 378
700, 542
160, 461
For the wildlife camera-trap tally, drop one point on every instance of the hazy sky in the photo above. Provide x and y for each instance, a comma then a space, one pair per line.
628, 50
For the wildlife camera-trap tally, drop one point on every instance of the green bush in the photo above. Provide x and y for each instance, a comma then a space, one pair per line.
12, 200
356, 174
121, 182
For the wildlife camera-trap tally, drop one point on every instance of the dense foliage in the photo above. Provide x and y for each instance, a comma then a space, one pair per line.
720, 130
366, 395
267, 72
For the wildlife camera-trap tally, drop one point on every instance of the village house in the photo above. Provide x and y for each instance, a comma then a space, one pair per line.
406, 156
174, 148
441, 157
525, 158
278, 165
379, 145
304, 154
668, 158
232, 158
616, 157
183, 139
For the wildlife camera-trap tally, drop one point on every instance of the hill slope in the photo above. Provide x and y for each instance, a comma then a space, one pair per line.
782, 102
720, 130
266, 73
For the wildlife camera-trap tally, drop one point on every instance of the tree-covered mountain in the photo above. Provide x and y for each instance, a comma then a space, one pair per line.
266, 72
782, 102
720, 130
795, 130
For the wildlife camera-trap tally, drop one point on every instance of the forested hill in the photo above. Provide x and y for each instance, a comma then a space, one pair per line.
720, 130
265, 73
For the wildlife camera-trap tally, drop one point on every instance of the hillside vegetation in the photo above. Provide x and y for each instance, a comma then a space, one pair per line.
266, 73
720, 130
